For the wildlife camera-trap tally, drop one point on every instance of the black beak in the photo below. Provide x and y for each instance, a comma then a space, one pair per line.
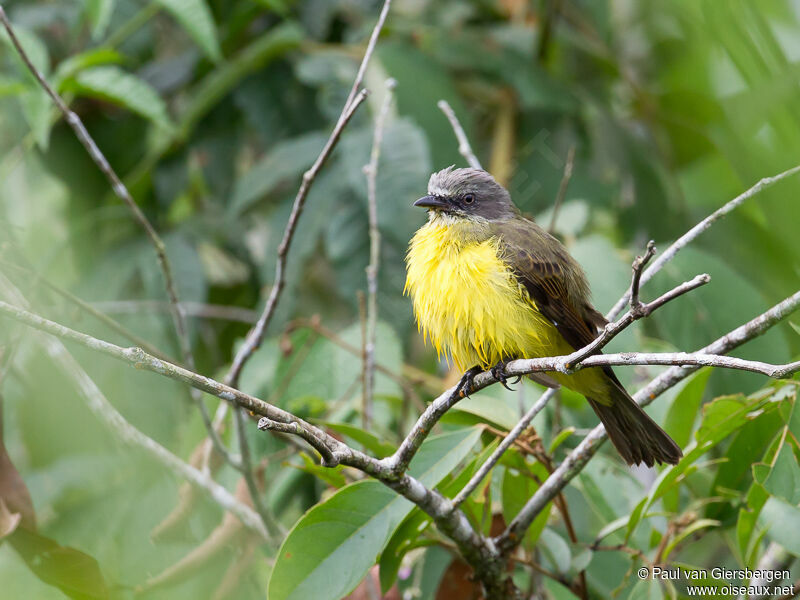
431, 202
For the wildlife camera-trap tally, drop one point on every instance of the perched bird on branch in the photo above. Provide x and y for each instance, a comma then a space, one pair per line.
490, 286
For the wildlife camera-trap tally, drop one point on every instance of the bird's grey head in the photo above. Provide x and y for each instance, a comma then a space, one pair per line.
467, 193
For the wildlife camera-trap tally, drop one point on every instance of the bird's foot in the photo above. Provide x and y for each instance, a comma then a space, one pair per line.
464, 386
498, 372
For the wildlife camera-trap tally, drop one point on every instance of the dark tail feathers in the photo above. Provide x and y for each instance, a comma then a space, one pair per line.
634, 434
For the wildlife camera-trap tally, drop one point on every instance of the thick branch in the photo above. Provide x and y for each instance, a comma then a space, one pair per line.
463, 143
579, 457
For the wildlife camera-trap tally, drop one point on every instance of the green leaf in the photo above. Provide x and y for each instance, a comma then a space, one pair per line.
73, 572
561, 438
332, 477
556, 550
782, 522
353, 525
686, 532
84, 60
518, 487
647, 589
685, 408
196, 18
99, 14
283, 164
34, 101
783, 480
114, 85
720, 417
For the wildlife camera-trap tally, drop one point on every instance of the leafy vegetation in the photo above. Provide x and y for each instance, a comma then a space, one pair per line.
211, 110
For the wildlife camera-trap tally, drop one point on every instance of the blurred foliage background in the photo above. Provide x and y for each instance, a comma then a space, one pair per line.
212, 109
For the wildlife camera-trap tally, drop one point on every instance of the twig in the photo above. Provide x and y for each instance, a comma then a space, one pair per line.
581, 455
638, 264
190, 309
463, 143
371, 171
695, 231
509, 439
562, 188
246, 469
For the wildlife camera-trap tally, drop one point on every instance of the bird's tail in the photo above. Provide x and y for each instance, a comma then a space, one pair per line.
634, 434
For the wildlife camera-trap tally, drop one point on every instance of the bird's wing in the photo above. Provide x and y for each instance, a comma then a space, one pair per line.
553, 279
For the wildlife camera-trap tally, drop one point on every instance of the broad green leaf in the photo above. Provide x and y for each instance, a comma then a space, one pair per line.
685, 408
556, 549
99, 14
284, 163
353, 525
10, 86
720, 417
34, 101
84, 60
635, 518
519, 485
219, 82
490, 406
114, 85
782, 522
332, 477
783, 480
196, 18
75, 573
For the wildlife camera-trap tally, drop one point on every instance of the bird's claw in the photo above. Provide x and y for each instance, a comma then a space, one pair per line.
498, 372
464, 386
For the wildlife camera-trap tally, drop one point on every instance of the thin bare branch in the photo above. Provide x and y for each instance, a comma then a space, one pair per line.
695, 232
562, 188
246, 469
463, 143
371, 171
639, 263
508, 440
191, 309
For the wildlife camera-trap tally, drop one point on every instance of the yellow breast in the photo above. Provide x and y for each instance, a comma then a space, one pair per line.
467, 301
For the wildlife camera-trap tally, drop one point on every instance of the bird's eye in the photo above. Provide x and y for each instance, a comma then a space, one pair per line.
468, 198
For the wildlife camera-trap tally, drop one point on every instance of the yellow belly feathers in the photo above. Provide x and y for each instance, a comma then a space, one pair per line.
468, 302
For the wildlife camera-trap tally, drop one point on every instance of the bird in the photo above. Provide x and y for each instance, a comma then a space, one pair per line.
489, 285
